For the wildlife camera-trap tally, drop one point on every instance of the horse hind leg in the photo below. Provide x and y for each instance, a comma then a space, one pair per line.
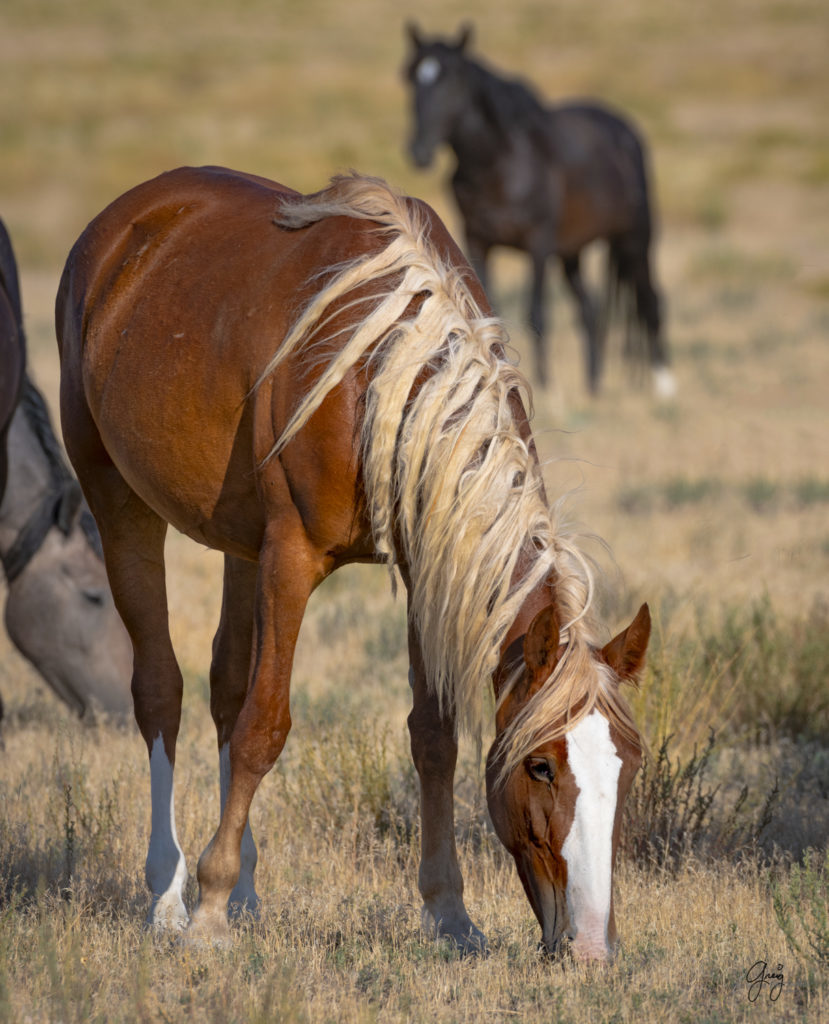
635, 259
435, 753
286, 574
229, 671
538, 318
132, 536
593, 334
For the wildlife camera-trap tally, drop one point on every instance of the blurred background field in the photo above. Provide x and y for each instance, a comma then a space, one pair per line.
714, 508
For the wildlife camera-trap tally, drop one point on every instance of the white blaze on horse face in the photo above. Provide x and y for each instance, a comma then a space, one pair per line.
428, 71
166, 869
244, 898
588, 849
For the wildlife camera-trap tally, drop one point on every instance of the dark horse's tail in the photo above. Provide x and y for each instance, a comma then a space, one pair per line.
631, 297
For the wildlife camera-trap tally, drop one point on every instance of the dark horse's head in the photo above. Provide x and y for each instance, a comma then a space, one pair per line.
437, 71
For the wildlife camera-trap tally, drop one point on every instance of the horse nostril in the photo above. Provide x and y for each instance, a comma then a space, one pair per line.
94, 596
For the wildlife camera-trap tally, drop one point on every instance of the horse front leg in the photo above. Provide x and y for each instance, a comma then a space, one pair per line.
284, 581
537, 317
477, 251
593, 337
435, 754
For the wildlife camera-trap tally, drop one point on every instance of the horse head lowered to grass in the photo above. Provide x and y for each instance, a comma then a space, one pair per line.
59, 611
307, 381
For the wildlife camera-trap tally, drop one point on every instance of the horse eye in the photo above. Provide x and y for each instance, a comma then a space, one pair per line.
540, 769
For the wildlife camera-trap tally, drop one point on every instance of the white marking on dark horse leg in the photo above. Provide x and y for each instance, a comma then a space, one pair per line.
243, 899
664, 383
588, 849
165, 869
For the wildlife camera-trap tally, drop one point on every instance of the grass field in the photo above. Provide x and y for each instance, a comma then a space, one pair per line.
713, 508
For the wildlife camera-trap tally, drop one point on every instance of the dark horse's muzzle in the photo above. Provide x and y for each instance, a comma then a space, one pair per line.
421, 152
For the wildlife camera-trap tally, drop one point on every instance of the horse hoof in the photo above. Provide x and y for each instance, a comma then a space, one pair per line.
207, 929
167, 916
246, 909
467, 939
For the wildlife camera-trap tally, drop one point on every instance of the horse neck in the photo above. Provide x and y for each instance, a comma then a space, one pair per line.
475, 138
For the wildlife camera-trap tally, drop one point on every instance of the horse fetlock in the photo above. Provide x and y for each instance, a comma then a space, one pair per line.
208, 927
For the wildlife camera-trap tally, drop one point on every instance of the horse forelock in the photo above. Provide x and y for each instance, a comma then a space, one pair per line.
454, 491
581, 680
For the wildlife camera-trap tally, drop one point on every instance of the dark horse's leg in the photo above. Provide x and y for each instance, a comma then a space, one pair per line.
593, 338
632, 254
435, 752
229, 672
477, 252
286, 574
537, 318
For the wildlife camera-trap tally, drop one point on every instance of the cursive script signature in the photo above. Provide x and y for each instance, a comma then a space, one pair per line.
759, 975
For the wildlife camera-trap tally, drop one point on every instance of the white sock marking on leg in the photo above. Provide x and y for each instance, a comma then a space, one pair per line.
166, 869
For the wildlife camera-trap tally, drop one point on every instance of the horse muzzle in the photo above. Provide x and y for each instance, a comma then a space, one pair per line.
421, 153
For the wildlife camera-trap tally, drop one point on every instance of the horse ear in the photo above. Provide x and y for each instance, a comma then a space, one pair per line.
464, 36
413, 32
541, 643
626, 652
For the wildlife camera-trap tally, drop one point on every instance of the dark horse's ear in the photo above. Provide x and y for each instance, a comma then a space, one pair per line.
464, 36
626, 652
413, 32
541, 643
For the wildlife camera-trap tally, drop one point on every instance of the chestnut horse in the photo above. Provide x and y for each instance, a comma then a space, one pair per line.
307, 381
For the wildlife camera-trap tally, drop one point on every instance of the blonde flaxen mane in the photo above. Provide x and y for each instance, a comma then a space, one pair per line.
454, 493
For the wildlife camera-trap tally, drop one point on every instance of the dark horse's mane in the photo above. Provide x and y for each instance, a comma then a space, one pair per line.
508, 103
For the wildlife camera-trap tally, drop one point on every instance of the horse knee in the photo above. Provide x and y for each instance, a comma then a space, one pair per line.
434, 749
258, 739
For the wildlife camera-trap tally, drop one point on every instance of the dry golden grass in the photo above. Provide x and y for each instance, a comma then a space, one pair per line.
709, 502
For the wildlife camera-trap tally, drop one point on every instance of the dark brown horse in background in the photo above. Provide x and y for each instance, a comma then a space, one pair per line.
59, 611
307, 381
546, 180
